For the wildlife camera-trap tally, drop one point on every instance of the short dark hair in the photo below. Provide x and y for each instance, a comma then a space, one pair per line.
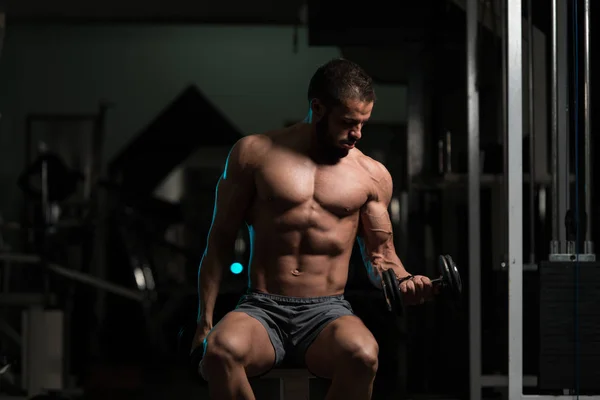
339, 80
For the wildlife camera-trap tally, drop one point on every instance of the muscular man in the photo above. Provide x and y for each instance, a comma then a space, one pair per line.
306, 194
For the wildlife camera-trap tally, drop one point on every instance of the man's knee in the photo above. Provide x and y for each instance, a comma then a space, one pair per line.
361, 353
225, 348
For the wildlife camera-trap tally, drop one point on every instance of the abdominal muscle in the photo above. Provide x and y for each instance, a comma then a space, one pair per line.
310, 262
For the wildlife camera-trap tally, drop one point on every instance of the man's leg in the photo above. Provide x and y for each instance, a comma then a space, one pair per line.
237, 347
346, 352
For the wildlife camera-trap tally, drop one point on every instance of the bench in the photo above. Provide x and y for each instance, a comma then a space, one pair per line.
294, 383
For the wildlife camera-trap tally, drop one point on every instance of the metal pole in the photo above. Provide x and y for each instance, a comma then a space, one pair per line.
562, 100
503, 11
588, 129
77, 276
474, 204
515, 200
97, 283
555, 244
531, 133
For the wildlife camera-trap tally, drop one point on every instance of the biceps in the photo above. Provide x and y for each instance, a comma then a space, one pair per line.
376, 225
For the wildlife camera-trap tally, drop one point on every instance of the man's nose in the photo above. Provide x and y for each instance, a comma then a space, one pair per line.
355, 134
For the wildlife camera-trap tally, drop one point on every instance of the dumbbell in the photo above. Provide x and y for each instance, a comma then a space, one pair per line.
449, 280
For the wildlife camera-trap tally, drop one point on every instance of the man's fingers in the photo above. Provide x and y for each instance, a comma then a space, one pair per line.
418, 282
200, 336
409, 288
197, 342
419, 297
427, 287
417, 290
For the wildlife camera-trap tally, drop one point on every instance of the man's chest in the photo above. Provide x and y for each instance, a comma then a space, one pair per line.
289, 182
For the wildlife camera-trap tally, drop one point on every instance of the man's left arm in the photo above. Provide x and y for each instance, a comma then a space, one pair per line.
376, 241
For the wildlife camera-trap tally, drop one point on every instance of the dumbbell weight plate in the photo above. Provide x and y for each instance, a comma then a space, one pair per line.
391, 291
451, 278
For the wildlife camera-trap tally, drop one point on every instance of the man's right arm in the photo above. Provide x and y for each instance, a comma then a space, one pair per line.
234, 195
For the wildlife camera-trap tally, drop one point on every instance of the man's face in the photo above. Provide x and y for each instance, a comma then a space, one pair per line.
339, 128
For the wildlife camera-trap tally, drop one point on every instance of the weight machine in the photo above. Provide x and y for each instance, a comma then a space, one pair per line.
568, 301
52, 186
128, 220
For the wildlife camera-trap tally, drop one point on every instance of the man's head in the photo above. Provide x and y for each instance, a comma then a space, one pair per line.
341, 97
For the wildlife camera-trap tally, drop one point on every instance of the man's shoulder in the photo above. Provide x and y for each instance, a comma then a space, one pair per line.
252, 148
378, 175
257, 145
253, 142
375, 169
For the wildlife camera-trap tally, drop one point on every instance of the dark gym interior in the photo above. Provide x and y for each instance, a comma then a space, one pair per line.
116, 118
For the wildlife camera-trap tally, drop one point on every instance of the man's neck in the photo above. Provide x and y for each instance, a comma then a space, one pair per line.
316, 148
319, 151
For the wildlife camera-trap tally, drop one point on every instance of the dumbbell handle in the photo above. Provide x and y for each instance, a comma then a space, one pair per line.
438, 281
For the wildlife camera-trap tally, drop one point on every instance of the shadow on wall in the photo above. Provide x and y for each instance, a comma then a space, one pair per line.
250, 73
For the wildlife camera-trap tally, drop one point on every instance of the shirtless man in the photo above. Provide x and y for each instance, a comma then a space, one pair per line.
306, 194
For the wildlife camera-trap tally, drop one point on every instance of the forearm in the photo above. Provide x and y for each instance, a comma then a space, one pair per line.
377, 261
210, 275
376, 266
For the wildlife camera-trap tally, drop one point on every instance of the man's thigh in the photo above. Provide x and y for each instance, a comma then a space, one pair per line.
242, 338
345, 336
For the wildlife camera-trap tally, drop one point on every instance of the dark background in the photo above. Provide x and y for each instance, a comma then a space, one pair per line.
146, 97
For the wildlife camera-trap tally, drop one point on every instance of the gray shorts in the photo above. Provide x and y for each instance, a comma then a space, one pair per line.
293, 323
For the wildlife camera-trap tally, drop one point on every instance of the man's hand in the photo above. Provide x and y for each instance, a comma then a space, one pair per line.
202, 331
417, 290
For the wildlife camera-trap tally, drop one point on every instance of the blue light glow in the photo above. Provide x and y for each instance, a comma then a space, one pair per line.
236, 268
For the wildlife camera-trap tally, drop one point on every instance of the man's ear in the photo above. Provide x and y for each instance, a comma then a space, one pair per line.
318, 109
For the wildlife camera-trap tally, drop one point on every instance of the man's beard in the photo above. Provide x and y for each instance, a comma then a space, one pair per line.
325, 140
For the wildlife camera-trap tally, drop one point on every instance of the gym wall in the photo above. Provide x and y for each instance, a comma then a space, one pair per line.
252, 74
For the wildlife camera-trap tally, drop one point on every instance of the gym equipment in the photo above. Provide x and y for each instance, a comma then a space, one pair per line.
58, 180
449, 280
